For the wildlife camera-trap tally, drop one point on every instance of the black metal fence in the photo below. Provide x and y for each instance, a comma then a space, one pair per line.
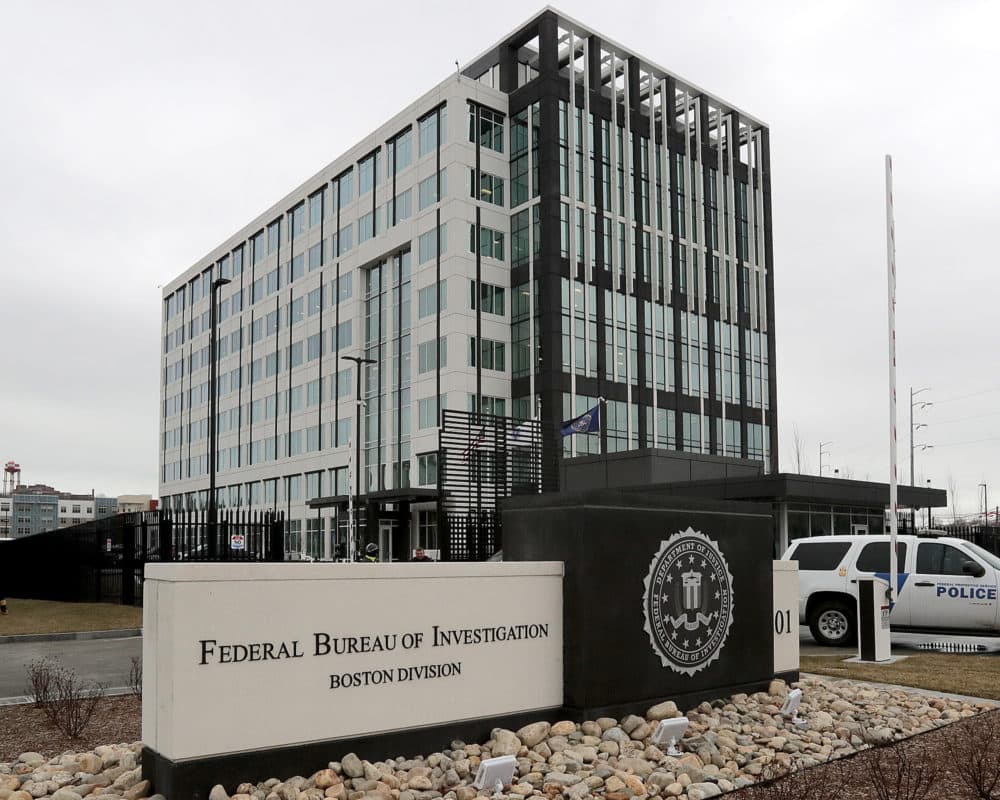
986, 536
102, 561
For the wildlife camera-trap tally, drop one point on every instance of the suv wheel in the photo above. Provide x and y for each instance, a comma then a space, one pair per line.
832, 623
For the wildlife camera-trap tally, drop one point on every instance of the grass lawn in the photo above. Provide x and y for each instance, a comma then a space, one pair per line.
974, 675
46, 616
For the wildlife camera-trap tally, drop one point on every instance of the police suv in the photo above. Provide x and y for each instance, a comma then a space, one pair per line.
946, 585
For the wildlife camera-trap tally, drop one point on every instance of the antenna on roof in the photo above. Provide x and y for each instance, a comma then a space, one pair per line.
457, 69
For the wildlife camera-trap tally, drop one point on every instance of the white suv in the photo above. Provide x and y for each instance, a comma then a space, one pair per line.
947, 585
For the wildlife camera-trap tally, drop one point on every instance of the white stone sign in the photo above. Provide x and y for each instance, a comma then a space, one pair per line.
243, 657
786, 616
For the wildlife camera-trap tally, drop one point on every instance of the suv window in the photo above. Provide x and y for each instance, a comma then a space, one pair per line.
820, 555
934, 558
875, 557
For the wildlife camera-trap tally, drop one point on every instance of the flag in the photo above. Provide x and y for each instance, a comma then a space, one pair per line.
522, 435
588, 422
474, 444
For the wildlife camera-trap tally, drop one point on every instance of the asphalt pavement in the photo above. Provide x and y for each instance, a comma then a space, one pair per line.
107, 661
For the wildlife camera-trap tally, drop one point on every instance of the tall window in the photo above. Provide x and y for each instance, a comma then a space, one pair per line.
430, 353
490, 133
490, 300
489, 188
430, 297
316, 207
427, 244
273, 236
427, 468
401, 152
428, 128
297, 220
490, 242
343, 189
368, 173
427, 189
491, 354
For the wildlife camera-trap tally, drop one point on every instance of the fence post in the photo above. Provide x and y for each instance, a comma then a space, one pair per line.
127, 564
276, 537
166, 538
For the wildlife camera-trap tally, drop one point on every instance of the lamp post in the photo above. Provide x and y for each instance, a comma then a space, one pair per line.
913, 428
822, 452
213, 399
358, 361
928, 507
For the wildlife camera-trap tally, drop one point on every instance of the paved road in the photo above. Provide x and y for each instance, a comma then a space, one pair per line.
109, 660
105, 660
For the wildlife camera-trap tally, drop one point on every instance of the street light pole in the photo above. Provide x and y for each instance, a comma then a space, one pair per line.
928, 507
358, 361
821, 452
213, 372
915, 427
986, 507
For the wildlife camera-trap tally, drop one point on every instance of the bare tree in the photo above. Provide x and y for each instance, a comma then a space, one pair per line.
826, 782
898, 773
975, 754
798, 450
135, 677
67, 701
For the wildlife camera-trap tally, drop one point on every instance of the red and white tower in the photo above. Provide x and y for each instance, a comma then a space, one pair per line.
11, 477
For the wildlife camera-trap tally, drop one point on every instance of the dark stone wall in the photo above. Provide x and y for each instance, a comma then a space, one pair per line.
608, 540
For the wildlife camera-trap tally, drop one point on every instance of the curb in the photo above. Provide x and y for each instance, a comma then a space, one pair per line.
20, 700
125, 633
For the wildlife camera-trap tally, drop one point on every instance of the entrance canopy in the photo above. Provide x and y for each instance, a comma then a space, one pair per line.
789, 487
385, 496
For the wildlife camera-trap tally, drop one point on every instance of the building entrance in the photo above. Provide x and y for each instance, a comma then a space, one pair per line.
388, 530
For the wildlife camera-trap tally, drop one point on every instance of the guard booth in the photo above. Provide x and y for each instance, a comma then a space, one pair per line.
385, 517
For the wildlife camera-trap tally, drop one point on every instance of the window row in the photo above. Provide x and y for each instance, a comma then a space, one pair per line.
322, 203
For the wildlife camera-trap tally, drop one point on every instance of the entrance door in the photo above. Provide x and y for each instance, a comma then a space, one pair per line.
388, 529
859, 530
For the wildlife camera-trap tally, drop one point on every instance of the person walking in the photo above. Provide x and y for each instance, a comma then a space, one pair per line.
370, 555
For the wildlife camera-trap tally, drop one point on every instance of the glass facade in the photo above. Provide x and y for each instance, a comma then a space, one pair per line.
652, 249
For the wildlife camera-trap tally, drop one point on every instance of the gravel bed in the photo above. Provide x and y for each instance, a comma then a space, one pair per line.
850, 738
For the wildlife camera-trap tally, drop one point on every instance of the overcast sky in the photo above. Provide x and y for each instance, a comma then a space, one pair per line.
134, 137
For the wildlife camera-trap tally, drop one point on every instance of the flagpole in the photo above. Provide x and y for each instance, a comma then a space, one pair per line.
538, 439
602, 404
351, 543
890, 243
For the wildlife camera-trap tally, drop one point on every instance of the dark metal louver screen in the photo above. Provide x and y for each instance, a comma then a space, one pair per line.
482, 459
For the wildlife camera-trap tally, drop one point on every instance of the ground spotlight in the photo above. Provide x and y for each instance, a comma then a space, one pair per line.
495, 773
790, 708
670, 731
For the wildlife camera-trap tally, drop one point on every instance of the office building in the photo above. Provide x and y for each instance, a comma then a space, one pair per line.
133, 503
38, 508
561, 220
